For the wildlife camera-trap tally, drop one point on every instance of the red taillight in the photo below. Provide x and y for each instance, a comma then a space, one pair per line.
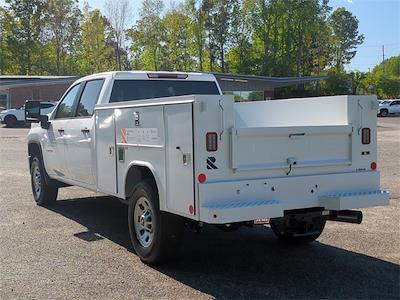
373, 165
211, 141
366, 136
191, 209
202, 178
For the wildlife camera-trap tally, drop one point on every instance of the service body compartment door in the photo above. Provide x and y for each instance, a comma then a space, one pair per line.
266, 148
105, 151
179, 162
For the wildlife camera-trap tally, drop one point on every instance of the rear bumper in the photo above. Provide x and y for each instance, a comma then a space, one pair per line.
246, 200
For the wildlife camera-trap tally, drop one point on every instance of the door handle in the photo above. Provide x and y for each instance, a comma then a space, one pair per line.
85, 130
61, 130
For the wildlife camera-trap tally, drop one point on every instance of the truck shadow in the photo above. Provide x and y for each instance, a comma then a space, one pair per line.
248, 263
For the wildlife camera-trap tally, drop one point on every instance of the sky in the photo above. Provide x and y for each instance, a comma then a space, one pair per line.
379, 22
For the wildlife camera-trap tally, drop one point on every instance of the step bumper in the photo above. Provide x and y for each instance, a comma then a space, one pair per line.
226, 211
247, 200
354, 200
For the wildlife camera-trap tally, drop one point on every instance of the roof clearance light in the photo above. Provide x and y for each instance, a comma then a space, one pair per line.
167, 75
366, 136
212, 141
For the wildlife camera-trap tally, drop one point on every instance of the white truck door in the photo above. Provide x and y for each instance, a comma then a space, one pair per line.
395, 107
106, 151
179, 162
54, 144
80, 155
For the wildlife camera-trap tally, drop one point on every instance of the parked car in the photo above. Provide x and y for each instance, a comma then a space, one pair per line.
388, 107
177, 151
14, 116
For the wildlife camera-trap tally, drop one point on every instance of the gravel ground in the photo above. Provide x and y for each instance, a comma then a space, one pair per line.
80, 247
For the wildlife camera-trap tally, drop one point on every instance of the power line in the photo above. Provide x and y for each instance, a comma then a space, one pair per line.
376, 46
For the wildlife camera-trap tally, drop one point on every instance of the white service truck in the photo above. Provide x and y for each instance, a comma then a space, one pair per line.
179, 152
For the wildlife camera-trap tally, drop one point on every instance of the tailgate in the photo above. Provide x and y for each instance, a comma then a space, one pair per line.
263, 148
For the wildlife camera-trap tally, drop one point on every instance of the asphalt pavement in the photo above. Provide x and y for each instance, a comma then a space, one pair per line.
80, 247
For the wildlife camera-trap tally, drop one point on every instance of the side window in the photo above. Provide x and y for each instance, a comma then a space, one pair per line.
46, 105
89, 98
64, 110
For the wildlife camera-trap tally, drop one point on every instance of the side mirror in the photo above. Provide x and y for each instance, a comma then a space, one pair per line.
32, 114
44, 122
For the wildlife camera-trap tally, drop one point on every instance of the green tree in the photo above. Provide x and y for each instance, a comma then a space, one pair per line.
357, 82
147, 36
95, 54
63, 18
345, 37
338, 83
289, 37
218, 24
5, 32
240, 54
24, 25
176, 41
384, 79
197, 32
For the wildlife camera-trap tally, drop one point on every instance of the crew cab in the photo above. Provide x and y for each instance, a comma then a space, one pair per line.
180, 153
14, 116
388, 107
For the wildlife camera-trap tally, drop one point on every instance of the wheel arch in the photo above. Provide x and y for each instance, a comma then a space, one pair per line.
34, 148
9, 117
384, 109
138, 171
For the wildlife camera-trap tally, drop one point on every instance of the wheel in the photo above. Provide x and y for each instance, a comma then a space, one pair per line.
384, 113
44, 189
155, 235
299, 232
11, 121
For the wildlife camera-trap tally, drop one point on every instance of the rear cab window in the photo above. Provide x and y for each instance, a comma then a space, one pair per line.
128, 90
89, 98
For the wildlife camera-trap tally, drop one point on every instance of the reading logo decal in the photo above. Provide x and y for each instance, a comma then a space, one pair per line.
211, 163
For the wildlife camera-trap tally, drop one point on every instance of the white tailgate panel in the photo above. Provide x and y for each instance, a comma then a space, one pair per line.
105, 151
178, 124
270, 148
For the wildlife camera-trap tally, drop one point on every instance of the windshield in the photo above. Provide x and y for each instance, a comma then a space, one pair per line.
126, 90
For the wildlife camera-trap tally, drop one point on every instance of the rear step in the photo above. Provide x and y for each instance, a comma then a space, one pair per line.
353, 200
222, 212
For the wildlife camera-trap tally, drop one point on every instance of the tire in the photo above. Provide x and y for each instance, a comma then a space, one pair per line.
296, 234
155, 235
10, 121
44, 189
384, 113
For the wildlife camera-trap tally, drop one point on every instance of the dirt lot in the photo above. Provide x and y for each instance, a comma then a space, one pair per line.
80, 248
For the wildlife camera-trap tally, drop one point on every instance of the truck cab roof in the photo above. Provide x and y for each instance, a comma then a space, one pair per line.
151, 75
